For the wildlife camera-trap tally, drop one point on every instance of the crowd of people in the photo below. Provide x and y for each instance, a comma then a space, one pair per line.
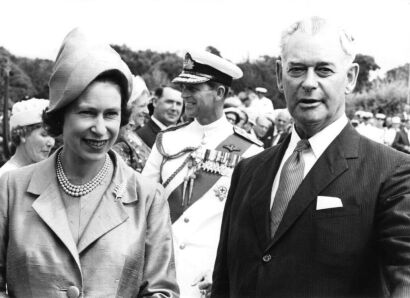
115, 190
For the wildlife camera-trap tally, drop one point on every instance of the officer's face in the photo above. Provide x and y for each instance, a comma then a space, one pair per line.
315, 75
199, 100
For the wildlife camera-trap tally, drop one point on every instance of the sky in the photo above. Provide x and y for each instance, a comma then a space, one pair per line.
239, 29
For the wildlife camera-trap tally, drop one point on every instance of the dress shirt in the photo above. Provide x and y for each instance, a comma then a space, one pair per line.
159, 123
318, 144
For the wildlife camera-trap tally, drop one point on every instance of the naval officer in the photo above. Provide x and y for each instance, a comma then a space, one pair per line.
194, 162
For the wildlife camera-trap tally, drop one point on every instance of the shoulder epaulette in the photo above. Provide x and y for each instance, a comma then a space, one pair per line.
247, 136
178, 126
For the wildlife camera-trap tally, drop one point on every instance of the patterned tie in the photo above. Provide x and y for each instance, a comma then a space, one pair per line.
289, 181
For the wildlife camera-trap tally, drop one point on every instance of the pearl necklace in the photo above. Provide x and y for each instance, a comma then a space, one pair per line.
80, 190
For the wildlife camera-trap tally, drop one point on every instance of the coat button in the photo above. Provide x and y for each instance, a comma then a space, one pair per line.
266, 258
182, 246
186, 219
73, 292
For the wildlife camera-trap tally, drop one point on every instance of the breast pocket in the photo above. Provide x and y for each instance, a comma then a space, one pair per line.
337, 234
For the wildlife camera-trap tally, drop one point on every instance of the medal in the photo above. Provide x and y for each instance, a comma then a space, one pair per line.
221, 192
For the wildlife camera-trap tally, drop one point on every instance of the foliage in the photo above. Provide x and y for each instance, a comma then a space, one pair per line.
367, 64
39, 71
157, 69
260, 73
385, 97
400, 73
213, 50
20, 84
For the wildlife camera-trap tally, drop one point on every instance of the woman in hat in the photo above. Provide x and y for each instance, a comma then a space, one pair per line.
82, 223
30, 140
133, 150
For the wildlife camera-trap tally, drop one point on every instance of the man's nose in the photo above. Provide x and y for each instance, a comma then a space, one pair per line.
310, 82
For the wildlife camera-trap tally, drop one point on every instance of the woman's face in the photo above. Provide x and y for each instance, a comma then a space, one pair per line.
140, 109
37, 145
92, 122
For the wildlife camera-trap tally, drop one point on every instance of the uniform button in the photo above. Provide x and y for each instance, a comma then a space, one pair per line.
73, 292
182, 246
186, 219
266, 258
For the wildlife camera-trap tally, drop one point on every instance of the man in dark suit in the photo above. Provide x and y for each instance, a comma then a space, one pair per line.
325, 213
167, 105
401, 141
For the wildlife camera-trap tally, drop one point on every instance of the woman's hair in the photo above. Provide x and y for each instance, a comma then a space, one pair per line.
54, 121
22, 131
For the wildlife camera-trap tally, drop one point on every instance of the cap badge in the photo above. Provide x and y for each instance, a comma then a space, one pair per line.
188, 62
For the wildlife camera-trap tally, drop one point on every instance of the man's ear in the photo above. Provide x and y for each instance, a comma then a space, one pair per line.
220, 92
352, 74
154, 101
279, 75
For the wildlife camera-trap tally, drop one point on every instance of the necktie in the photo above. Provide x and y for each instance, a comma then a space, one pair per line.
289, 181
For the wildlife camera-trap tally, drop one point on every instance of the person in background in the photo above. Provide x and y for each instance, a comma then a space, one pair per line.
369, 129
326, 212
233, 115
168, 104
282, 127
264, 104
390, 130
82, 223
243, 118
402, 139
263, 130
31, 141
132, 149
194, 162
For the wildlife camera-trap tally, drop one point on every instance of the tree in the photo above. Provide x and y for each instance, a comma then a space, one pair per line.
367, 64
385, 97
213, 50
39, 70
400, 73
20, 85
260, 73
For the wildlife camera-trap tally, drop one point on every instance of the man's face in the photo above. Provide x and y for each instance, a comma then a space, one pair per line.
168, 108
315, 75
262, 126
282, 122
407, 124
199, 100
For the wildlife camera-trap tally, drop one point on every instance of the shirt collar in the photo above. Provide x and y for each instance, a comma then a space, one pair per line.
221, 122
320, 141
159, 123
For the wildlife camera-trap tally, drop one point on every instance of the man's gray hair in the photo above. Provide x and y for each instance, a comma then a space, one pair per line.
314, 25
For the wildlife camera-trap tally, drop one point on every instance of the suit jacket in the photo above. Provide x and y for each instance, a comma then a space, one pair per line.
359, 250
125, 251
401, 141
269, 141
148, 132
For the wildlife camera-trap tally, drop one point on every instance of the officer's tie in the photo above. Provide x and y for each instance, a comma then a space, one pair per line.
290, 179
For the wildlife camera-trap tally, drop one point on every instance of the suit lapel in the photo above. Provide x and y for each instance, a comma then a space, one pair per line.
110, 212
329, 166
50, 206
154, 127
261, 188
406, 137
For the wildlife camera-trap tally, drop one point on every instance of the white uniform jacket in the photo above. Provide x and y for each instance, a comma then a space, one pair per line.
196, 231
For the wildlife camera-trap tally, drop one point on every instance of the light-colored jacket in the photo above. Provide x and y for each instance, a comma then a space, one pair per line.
125, 251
